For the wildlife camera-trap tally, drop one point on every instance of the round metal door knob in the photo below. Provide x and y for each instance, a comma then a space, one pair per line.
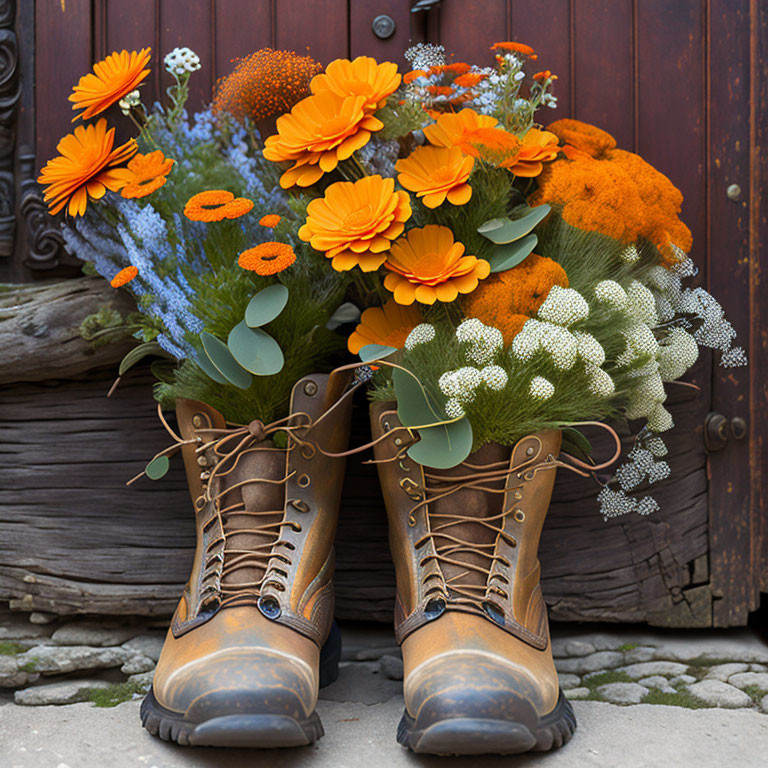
383, 26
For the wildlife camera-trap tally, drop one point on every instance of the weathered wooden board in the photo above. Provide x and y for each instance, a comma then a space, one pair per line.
73, 539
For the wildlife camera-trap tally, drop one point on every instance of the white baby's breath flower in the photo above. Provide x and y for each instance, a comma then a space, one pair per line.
660, 419
630, 254
461, 383
590, 350
528, 341
600, 382
656, 446
421, 334
453, 408
563, 306
541, 388
678, 352
640, 342
560, 344
483, 342
495, 377
610, 292
641, 303
130, 100
181, 61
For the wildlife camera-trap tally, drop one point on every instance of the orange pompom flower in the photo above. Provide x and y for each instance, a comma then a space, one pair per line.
264, 84
85, 168
111, 79
388, 325
355, 222
362, 77
271, 220
435, 173
536, 148
216, 205
145, 173
427, 266
123, 277
318, 132
512, 47
474, 134
583, 136
267, 258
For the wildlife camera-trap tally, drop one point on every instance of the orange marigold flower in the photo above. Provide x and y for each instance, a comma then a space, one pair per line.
474, 134
536, 148
362, 77
526, 50
588, 138
84, 168
355, 222
318, 132
267, 258
111, 79
470, 80
506, 300
265, 84
388, 325
270, 220
409, 77
439, 90
216, 205
123, 277
145, 173
545, 75
435, 173
427, 266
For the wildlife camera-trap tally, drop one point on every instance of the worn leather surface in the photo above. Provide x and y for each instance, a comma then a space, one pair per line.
463, 646
234, 647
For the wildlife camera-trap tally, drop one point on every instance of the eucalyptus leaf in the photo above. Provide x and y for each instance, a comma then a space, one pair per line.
157, 468
441, 447
255, 350
266, 305
139, 353
208, 368
222, 360
346, 313
511, 254
519, 224
576, 443
375, 352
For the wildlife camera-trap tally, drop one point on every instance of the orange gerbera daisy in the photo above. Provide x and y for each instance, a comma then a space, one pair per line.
474, 134
111, 79
388, 325
428, 266
362, 77
123, 277
526, 50
216, 205
146, 173
536, 148
355, 222
317, 133
271, 220
435, 173
85, 167
267, 258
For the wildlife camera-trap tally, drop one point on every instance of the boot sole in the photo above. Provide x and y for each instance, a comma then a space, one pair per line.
265, 731
476, 736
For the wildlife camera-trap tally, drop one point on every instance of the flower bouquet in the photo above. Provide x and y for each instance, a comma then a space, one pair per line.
500, 284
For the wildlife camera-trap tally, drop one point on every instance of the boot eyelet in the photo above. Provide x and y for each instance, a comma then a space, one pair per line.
494, 612
519, 515
269, 606
434, 608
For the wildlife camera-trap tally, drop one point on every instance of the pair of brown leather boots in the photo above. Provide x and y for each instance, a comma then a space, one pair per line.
253, 638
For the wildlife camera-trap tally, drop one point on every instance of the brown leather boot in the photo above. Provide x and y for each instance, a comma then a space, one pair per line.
479, 675
242, 661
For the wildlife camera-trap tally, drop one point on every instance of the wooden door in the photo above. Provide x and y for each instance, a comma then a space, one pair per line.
682, 82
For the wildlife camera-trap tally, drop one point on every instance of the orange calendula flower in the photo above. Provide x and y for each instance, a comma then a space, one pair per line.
474, 134
427, 266
123, 277
85, 168
470, 80
439, 90
216, 205
512, 47
111, 79
267, 258
362, 77
145, 173
409, 77
545, 75
435, 173
270, 220
388, 325
355, 222
536, 148
318, 132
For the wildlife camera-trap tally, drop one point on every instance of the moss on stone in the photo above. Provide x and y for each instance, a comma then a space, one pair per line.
677, 699
114, 694
603, 678
755, 691
29, 666
11, 649
628, 647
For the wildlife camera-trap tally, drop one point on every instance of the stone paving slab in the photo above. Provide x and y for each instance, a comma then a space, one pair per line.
637, 736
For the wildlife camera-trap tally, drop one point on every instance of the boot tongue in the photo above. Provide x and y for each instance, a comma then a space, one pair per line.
469, 503
266, 499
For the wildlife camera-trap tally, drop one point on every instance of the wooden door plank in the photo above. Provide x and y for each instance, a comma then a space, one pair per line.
469, 28
363, 41
241, 27
320, 25
62, 56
